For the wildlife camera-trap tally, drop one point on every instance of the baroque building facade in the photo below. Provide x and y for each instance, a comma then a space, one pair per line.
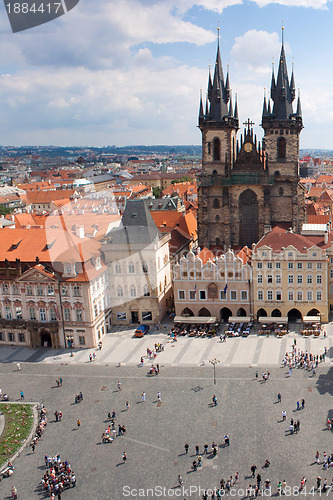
246, 186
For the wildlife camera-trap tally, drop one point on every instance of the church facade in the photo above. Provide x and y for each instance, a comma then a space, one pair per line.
247, 187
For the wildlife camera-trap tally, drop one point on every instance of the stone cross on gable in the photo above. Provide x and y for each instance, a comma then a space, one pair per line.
249, 124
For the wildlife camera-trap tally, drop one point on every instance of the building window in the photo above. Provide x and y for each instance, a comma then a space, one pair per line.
82, 340
319, 266
32, 314
264, 253
2, 336
53, 315
202, 295
117, 268
299, 265
269, 278
192, 294
144, 267
223, 295
290, 265
42, 314
8, 312
5, 288
269, 265
216, 203
131, 268
18, 312
133, 291
260, 295
318, 295
318, 279
147, 316
299, 279
78, 313
278, 278
290, 278
77, 291
184, 274
314, 254
40, 290
21, 337
119, 291
64, 290
278, 296
259, 265
29, 290
216, 149
50, 290
281, 143
244, 295
15, 289
309, 279
331, 273
309, 295
259, 278
290, 295
11, 337
181, 294
67, 314
309, 265
233, 295
278, 265
299, 295
146, 291
269, 295
121, 316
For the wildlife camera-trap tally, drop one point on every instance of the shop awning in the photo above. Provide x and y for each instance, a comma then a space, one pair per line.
271, 319
311, 319
239, 319
195, 319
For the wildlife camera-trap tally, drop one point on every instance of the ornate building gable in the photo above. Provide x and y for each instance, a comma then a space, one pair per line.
37, 274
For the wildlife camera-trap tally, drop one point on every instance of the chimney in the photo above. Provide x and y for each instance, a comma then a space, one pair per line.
80, 232
18, 267
326, 237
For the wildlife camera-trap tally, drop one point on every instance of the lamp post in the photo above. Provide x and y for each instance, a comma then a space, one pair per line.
214, 362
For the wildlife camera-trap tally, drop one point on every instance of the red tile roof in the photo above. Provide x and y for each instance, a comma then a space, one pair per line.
279, 238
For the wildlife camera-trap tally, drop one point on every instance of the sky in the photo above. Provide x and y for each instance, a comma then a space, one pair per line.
129, 72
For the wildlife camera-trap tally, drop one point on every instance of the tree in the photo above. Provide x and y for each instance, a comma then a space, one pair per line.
185, 178
4, 210
157, 191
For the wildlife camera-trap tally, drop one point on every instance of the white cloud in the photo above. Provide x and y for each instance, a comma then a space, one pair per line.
212, 5
253, 52
314, 4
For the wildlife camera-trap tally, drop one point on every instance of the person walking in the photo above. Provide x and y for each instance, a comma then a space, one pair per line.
119, 385
214, 398
127, 405
284, 415
79, 424
297, 405
279, 397
253, 470
303, 404
124, 458
143, 397
159, 397
186, 448
197, 449
22, 395
180, 480
205, 448
18, 366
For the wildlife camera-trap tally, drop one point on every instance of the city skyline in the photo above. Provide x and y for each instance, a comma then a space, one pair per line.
110, 73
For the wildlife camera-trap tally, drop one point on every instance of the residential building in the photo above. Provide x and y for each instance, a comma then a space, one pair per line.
205, 285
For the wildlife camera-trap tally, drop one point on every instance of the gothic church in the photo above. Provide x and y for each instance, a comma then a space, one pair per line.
246, 187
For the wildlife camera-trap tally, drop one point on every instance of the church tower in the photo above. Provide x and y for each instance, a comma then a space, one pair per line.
247, 187
282, 126
219, 125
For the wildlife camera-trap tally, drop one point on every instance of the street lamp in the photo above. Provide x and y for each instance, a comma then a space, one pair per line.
214, 362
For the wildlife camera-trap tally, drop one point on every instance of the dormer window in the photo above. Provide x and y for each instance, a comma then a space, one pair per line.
69, 269
98, 263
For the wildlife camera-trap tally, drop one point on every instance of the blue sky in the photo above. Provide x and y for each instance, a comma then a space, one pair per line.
130, 71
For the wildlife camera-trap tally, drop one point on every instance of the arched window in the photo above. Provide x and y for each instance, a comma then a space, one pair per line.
280, 191
216, 149
146, 291
216, 203
165, 281
119, 291
144, 267
117, 268
133, 291
282, 147
214, 172
131, 268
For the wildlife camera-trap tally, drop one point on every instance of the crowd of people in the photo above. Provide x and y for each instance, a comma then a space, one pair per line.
58, 477
303, 359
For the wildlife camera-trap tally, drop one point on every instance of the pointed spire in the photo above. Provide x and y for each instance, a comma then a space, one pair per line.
299, 109
218, 96
281, 92
210, 84
269, 111
264, 108
292, 85
236, 109
207, 107
230, 108
273, 85
201, 111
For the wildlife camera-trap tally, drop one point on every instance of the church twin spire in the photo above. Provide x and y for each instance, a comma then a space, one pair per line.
282, 93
